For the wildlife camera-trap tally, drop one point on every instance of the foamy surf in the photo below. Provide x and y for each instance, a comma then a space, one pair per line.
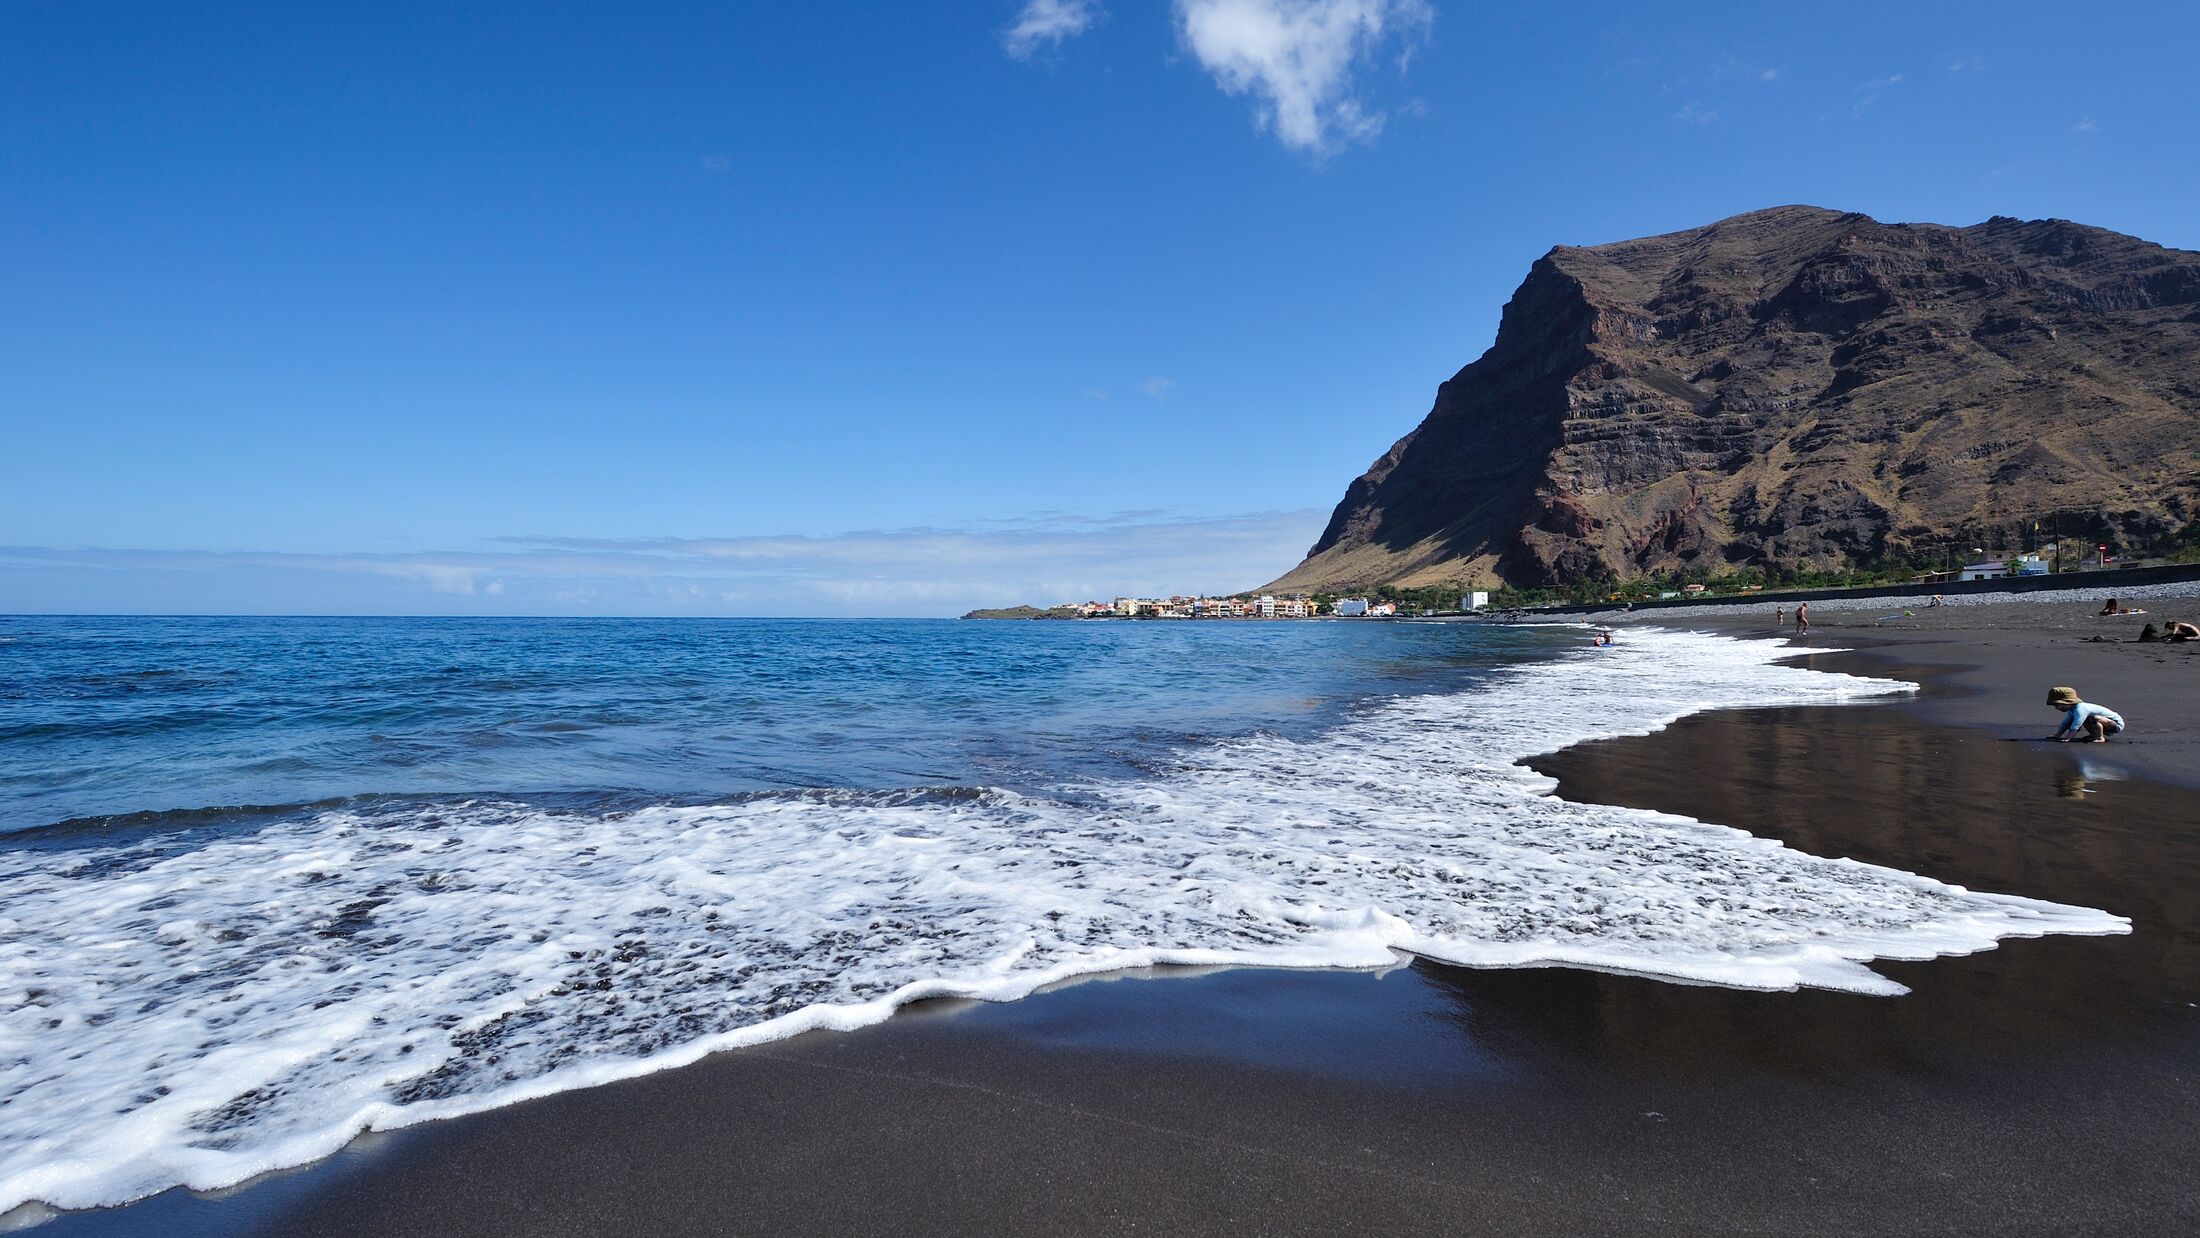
197, 1014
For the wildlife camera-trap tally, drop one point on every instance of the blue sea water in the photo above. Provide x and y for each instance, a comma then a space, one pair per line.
267, 883
103, 717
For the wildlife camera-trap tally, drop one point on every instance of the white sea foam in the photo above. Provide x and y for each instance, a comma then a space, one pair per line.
200, 1014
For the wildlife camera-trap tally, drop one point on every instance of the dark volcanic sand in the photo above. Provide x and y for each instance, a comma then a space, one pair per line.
2046, 1086
1999, 660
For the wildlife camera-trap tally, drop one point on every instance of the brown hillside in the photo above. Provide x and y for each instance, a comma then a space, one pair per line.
1794, 386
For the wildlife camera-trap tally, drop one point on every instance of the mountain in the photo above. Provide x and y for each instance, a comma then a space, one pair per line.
1795, 387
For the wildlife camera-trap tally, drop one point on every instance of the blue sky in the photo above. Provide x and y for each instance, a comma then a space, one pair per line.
890, 308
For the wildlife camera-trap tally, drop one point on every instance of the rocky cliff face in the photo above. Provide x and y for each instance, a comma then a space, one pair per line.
1798, 387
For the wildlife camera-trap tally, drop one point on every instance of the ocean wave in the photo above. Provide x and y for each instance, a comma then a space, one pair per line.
201, 1014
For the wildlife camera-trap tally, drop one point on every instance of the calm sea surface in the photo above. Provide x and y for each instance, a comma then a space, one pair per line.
102, 717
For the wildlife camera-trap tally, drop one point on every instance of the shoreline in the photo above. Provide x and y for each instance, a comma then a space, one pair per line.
1429, 1098
1986, 666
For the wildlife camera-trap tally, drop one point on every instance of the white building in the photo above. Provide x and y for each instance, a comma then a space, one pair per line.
1995, 569
1265, 607
1126, 606
1351, 606
1477, 600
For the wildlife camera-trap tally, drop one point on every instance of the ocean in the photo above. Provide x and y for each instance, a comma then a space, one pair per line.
267, 883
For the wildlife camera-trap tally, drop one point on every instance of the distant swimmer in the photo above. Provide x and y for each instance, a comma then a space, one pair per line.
1603, 639
2082, 722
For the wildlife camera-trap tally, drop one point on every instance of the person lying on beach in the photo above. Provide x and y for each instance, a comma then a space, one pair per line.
2114, 607
2082, 722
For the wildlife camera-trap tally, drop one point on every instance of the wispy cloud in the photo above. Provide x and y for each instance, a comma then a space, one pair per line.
2085, 127
1750, 72
1693, 113
1159, 387
717, 163
1296, 58
1868, 94
1044, 24
1041, 557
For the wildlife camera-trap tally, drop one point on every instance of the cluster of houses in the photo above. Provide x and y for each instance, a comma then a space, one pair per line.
1995, 569
1266, 606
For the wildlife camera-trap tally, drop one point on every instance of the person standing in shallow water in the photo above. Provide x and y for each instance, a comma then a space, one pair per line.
1802, 619
1779, 616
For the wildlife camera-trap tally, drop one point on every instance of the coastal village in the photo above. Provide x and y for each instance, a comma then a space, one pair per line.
1244, 606
2048, 559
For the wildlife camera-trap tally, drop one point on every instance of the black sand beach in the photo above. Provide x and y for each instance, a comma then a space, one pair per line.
2003, 686
1991, 666
2047, 1086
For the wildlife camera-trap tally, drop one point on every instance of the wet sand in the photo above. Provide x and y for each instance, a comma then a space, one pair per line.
1997, 662
2048, 1085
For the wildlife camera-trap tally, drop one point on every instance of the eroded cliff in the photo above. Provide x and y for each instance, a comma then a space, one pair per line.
1796, 387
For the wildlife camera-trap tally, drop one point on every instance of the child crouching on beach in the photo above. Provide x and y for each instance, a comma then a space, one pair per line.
2082, 722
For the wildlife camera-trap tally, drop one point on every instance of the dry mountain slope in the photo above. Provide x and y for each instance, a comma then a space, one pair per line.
1798, 387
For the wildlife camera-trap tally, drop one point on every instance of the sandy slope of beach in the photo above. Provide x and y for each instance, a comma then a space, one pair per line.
2048, 1085
1992, 664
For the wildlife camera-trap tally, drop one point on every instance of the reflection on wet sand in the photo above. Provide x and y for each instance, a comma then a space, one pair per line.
1874, 784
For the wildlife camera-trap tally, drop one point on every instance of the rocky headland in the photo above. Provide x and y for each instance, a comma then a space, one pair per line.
1795, 388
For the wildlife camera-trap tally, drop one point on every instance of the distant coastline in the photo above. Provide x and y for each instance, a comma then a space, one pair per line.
1380, 605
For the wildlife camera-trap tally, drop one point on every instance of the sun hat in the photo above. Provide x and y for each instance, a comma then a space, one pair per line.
2062, 698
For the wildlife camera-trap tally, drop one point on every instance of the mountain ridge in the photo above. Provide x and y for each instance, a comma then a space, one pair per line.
1793, 387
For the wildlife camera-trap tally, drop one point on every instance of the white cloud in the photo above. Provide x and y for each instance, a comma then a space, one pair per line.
1160, 386
1868, 93
1738, 67
1296, 57
717, 163
1696, 114
458, 579
2085, 126
1042, 24
1042, 557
